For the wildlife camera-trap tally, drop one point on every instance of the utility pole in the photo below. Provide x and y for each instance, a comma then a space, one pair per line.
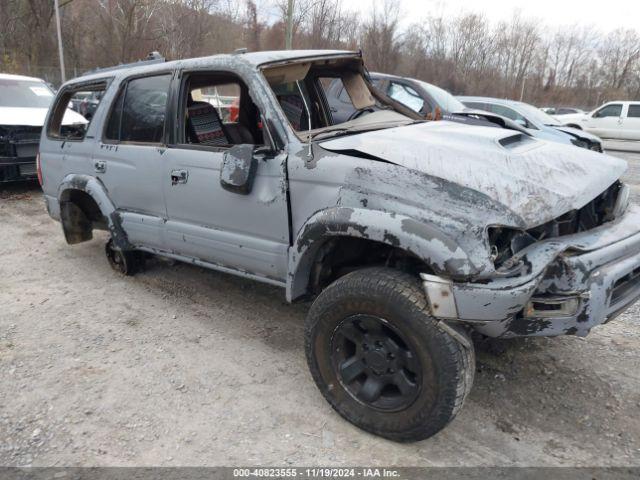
524, 79
288, 41
60, 51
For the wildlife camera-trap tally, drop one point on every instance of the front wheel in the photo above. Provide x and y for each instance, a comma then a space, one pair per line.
379, 358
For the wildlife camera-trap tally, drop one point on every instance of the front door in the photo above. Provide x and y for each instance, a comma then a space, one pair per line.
606, 122
242, 231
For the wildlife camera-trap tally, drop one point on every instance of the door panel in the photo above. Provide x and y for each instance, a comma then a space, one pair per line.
606, 122
133, 177
206, 222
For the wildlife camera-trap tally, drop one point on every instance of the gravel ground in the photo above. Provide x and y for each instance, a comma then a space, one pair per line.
183, 366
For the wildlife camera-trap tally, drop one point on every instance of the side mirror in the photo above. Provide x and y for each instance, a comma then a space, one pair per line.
238, 169
522, 122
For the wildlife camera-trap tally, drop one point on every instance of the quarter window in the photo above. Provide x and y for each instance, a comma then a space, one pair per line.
73, 111
614, 110
139, 111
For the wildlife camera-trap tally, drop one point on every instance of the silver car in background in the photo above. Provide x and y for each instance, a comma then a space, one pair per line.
538, 123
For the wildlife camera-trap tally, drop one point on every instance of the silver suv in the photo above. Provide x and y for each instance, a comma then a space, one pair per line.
407, 234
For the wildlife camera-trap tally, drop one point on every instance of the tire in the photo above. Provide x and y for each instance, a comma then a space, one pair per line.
426, 386
125, 262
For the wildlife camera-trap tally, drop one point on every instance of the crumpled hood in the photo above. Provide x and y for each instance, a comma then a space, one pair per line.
34, 117
577, 133
536, 180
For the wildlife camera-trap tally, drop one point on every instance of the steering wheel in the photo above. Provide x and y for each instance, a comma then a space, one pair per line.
362, 111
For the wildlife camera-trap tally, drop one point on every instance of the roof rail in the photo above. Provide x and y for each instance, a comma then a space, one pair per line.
153, 57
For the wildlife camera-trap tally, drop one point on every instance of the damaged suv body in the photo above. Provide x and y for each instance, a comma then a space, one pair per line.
407, 234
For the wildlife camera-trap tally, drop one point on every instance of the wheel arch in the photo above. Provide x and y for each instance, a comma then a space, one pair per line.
85, 205
423, 244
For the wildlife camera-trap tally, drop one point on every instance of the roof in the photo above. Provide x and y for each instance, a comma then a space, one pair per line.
9, 76
276, 56
500, 101
252, 59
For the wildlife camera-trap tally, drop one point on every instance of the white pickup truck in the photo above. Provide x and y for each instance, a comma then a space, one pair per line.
613, 120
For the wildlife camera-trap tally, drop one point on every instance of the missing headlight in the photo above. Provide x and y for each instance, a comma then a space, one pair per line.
504, 243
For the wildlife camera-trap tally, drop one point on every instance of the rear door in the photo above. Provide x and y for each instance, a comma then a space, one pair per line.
129, 157
606, 122
631, 122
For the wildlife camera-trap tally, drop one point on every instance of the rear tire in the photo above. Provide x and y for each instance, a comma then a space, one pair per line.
125, 262
379, 358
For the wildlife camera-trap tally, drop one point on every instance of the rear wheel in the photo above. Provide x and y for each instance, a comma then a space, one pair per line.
125, 262
379, 358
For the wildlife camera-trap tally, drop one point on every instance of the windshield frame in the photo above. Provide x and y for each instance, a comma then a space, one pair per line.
356, 64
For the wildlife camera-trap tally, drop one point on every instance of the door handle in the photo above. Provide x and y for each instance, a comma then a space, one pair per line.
179, 176
100, 166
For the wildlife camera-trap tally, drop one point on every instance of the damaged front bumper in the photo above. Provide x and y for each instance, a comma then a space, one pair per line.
18, 150
573, 283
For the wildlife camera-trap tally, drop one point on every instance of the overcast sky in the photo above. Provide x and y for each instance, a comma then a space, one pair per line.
604, 14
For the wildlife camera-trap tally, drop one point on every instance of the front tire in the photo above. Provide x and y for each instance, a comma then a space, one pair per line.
379, 358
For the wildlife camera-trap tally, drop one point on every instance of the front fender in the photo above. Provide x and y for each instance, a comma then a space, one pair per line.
424, 241
93, 187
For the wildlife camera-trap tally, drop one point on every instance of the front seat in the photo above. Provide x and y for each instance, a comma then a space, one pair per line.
206, 128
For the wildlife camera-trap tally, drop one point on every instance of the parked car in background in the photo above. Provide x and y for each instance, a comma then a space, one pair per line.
427, 100
85, 103
537, 123
407, 234
24, 102
619, 120
561, 111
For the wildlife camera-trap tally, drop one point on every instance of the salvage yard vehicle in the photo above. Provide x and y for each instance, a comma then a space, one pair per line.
407, 234
24, 102
538, 123
613, 120
427, 100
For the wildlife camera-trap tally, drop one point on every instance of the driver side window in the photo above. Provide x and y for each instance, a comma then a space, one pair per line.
218, 112
613, 110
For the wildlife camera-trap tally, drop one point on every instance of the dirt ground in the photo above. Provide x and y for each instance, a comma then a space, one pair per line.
183, 366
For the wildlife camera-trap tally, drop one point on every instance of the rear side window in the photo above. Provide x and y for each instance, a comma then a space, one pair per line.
634, 111
74, 110
139, 111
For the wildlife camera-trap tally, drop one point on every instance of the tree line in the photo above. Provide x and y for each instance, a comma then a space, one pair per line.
465, 54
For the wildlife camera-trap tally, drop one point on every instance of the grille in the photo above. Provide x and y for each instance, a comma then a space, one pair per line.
593, 214
28, 170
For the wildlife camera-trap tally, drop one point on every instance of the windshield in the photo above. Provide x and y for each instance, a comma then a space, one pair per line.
444, 99
331, 96
536, 115
24, 93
